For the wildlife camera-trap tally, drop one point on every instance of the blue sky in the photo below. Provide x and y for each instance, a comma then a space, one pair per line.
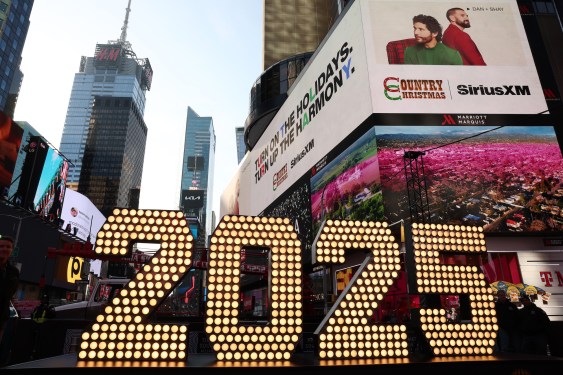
205, 54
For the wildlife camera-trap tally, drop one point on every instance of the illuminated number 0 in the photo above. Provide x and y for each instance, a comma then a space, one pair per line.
231, 340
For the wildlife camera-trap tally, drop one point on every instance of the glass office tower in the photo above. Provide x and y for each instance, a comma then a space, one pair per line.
14, 23
114, 71
198, 167
112, 165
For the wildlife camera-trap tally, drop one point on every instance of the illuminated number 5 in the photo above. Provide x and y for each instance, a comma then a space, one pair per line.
346, 333
432, 277
121, 332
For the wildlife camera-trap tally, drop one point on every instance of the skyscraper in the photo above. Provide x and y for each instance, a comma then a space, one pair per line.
14, 23
198, 167
112, 165
292, 28
113, 72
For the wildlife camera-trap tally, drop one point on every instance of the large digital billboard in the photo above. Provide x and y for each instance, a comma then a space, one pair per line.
493, 72
51, 187
350, 77
10, 141
42, 184
505, 178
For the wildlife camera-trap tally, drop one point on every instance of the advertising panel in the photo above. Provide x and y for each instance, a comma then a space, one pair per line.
80, 213
503, 178
542, 275
51, 188
192, 198
32, 169
10, 141
107, 55
475, 56
331, 98
351, 76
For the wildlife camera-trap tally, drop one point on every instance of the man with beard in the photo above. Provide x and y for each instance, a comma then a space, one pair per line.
455, 37
428, 49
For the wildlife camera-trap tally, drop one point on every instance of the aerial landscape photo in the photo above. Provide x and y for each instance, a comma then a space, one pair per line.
506, 178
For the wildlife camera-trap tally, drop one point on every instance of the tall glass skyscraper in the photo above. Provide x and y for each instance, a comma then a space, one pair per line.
198, 167
114, 71
112, 165
14, 23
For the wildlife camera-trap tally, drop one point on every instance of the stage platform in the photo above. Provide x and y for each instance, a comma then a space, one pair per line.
516, 364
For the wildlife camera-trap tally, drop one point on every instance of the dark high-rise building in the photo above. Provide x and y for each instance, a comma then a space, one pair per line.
112, 165
114, 72
198, 167
14, 23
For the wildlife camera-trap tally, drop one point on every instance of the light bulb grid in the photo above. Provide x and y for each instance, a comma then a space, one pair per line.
118, 332
348, 333
445, 338
129, 342
230, 340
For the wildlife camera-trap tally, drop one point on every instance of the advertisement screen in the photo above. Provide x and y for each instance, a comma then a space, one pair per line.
443, 56
82, 214
10, 141
51, 188
351, 76
504, 178
505, 175
107, 55
192, 198
36, 153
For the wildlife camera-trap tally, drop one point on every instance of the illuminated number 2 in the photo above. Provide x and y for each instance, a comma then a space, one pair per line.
229, 339
346, 333
120, 332
432, 277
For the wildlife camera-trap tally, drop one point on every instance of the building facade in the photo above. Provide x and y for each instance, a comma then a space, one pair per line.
320, 171
292, 28
114, 153
198, 167
14, 23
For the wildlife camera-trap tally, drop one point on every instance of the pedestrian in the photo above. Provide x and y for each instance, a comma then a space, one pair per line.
507, 320
40, 314
533, 325
9, 280
43, 311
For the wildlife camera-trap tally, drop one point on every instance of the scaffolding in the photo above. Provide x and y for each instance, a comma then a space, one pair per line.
416, 187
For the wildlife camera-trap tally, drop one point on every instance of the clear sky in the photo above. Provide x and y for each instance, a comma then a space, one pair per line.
205, 54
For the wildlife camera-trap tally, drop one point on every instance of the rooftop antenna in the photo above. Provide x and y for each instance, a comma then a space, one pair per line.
123, 37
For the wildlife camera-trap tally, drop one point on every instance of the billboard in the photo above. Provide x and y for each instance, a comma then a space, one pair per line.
503, 178
349, 78
490, 78
81, 213
192, 198
108, 55
10, 141
32, 168
51, 187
